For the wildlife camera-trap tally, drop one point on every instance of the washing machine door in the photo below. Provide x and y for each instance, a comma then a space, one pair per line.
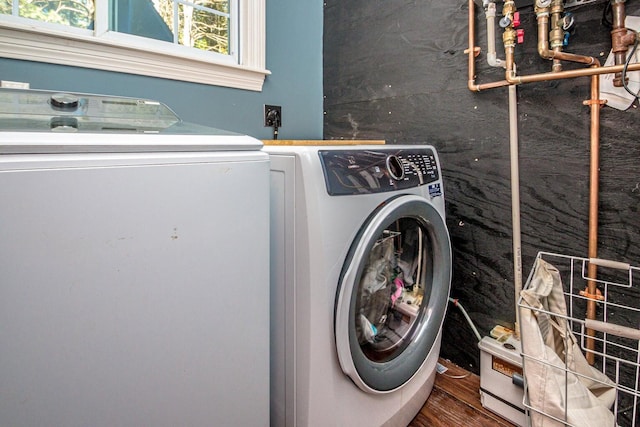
393, 294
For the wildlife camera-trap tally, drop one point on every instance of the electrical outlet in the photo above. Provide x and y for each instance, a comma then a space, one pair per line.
273, 116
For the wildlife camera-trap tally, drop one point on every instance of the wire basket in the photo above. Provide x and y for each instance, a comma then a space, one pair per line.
559, 388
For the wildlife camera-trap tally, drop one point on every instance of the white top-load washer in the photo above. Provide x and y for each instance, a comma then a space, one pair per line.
360, 278
134, 263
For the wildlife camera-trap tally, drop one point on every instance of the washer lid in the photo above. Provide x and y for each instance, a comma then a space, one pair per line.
38, 121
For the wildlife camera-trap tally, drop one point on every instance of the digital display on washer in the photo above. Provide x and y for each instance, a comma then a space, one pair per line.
348, 172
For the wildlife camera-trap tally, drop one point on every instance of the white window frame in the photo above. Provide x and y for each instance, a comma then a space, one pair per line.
107, 50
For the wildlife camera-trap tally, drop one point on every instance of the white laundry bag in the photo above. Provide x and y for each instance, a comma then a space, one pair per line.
560, 382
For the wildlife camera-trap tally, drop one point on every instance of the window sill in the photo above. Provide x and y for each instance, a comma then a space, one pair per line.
104, 54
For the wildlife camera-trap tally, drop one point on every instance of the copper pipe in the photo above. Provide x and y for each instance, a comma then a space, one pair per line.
543, 33
618, 30
619, 48
594, 104
513, 79
472, 54
472, 45
621, 38
484, 86
569, 74
556, 54
556, 34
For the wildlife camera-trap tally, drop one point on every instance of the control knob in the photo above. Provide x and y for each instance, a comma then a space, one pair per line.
395, 167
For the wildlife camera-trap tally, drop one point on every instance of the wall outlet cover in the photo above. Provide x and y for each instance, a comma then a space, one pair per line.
272, 116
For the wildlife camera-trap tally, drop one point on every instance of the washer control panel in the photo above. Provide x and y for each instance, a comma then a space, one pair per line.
349, 172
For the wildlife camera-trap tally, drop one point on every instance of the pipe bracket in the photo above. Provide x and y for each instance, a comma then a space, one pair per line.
590, 102
476, 51
597, 296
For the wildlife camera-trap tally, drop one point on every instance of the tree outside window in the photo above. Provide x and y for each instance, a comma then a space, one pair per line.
200, 24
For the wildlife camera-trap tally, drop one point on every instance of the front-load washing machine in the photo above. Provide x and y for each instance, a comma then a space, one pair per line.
360, 277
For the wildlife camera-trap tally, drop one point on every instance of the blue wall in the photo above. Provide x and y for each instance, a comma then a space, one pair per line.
294, 57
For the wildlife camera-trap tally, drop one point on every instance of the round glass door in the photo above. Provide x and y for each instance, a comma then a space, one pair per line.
393, 294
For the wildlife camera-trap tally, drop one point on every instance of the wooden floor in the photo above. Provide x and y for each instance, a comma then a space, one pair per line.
456, 402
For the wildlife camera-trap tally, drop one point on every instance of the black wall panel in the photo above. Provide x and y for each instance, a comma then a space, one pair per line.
396, 70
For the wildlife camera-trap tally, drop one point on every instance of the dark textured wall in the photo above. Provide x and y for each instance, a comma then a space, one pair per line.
396, 70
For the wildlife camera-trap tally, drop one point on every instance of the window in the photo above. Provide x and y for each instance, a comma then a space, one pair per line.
219, 42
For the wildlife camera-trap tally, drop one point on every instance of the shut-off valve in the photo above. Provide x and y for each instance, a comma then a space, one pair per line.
510, 22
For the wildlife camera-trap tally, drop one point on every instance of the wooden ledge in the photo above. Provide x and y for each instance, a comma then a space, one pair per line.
323, 141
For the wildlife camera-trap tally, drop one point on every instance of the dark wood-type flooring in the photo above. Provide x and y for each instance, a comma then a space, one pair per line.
456, 402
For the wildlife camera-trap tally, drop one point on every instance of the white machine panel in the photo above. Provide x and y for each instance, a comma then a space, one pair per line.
322, 200
134, 287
